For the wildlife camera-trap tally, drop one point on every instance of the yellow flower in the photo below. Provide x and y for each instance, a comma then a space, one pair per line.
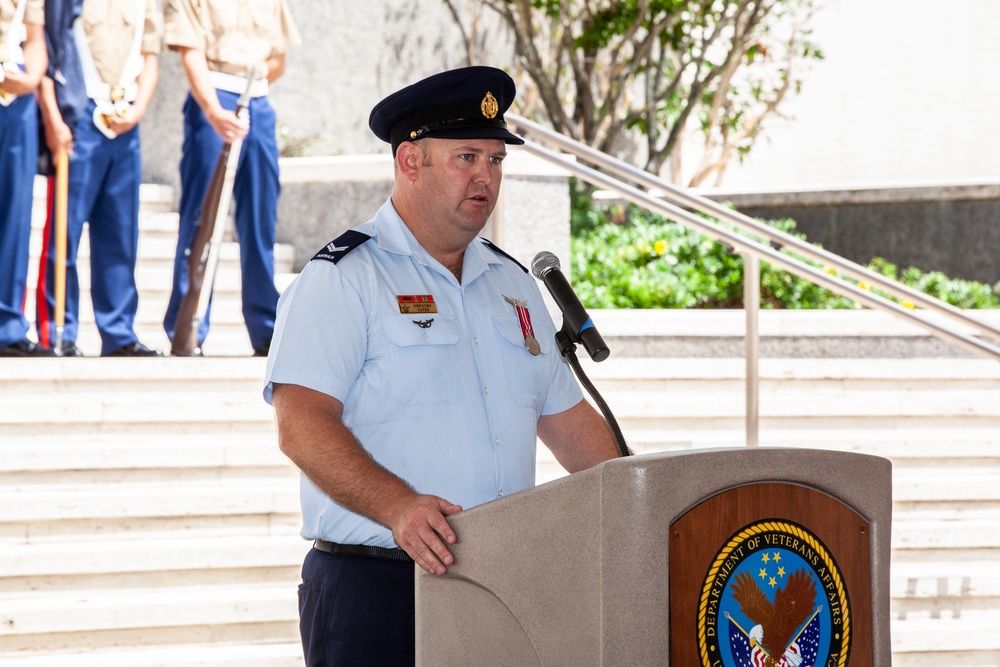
907, 304
660, 247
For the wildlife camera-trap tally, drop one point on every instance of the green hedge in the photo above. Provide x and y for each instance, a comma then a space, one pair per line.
626, 257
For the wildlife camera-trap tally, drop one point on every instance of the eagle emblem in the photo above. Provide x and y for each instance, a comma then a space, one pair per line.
776, 624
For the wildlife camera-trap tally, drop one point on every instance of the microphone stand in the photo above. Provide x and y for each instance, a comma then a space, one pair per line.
567, 348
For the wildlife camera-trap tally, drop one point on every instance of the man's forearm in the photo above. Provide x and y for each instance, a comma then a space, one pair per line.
275, 67
579, 438
312, 435
196, 69
47, 102
147, 81
36, 56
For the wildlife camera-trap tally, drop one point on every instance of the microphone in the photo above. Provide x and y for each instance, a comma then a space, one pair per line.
576, 322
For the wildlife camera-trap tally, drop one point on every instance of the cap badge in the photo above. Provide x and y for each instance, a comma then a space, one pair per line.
489, 106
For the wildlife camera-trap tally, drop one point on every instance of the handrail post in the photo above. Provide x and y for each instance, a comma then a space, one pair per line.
751, 304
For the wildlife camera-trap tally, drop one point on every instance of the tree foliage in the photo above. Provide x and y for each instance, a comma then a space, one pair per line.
654, 76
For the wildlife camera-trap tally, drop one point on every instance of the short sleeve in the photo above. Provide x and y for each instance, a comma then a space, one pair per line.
320, 336
34, 12
289, 33
152, 35
182, 26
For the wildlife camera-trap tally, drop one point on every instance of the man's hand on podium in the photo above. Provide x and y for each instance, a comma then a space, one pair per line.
422, 531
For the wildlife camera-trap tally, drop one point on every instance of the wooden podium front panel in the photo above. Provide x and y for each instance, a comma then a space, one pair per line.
712, 542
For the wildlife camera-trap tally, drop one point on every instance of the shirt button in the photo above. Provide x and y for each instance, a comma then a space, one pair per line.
486, 390
500, 493
475, 341
496, 441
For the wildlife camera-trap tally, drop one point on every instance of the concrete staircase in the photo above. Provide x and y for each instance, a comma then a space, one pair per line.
147, 517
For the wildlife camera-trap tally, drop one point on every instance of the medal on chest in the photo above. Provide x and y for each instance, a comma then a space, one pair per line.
524, 318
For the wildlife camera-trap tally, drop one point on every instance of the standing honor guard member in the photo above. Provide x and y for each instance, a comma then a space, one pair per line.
413, 368
220, 42
116, 43
22, 64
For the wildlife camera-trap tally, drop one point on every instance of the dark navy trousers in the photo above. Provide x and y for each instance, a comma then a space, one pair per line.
104, 177
18, 157
356, 611
255, 196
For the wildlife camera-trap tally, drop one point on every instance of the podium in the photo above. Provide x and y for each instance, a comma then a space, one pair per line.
717, 557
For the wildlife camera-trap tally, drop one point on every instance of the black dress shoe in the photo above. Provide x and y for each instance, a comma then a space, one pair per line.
135, 349
263, 349
68, 349
25, 348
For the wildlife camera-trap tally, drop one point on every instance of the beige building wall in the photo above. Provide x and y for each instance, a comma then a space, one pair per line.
907, 93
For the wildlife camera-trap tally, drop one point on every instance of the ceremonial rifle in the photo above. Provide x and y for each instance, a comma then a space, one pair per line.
203, 256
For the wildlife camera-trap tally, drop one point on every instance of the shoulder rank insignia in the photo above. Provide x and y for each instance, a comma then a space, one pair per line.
489, 244
335, 250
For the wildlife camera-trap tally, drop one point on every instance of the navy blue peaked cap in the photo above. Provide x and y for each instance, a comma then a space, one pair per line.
465, 103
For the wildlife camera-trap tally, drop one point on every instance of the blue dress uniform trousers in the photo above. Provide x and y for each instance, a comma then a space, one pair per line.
18, 157
104, 177
255, 194
356, 611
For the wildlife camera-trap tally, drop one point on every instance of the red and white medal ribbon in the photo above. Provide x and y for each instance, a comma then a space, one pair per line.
524, 318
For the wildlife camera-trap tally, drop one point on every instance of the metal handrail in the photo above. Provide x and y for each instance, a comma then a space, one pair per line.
747, 245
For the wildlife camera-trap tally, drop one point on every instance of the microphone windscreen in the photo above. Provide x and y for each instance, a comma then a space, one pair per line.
543, 262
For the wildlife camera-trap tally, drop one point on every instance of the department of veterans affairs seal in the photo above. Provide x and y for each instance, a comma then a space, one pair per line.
774, 597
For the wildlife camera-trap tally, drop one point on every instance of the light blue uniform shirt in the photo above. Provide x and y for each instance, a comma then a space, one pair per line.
447, 400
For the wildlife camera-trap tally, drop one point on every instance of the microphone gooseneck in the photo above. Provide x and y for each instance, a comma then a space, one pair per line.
577, 328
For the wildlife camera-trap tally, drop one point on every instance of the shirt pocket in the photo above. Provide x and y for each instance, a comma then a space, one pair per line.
422, 356
526, 374
224, 17
264, 15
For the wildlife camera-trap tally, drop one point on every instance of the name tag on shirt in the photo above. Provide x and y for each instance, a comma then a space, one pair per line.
416, 304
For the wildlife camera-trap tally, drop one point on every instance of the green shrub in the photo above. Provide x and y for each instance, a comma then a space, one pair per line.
626, 257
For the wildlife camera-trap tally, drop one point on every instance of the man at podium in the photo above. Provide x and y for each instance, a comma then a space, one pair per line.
412, 369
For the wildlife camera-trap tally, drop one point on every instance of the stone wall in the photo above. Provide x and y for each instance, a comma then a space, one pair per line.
947, 228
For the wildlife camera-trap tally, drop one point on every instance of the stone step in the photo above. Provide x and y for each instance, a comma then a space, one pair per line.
57, 620
663, 373
906, 446
811, 334
235, 654
47, 565
137, 500
36, 455
117, 375
944, 590
953, 641
967, 535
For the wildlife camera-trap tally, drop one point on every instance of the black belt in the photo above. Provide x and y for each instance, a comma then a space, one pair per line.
363, 550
